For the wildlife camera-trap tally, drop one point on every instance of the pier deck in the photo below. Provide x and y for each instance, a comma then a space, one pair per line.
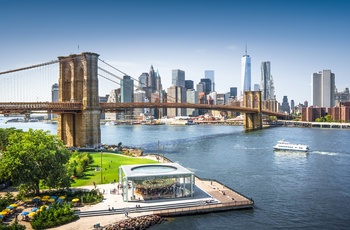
225, 197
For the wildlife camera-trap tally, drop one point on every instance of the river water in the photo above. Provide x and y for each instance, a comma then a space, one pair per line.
290, 190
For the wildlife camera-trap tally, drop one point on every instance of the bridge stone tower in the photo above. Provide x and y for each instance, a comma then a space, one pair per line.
78, 82
252, 121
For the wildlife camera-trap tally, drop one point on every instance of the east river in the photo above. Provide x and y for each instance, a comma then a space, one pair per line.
290, 190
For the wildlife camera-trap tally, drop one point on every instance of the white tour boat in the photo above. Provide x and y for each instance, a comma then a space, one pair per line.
285, 145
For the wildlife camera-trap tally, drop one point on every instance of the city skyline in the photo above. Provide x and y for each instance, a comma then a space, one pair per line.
299, 38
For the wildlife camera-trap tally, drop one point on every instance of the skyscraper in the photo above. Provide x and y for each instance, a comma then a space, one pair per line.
143, 80
246, 72
233, 91
188, 84
323, 87
210, 74
178, 77
176, 94
152, 79
266, 85
126, 89
54, 98
159, 85
207, 85
285, 105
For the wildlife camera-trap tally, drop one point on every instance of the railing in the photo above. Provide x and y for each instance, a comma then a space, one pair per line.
112, 106
21, 107
13, 107
206, 208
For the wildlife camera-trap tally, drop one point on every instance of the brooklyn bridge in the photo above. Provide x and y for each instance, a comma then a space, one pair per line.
79, 108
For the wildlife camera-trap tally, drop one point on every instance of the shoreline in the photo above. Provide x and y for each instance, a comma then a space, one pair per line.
224, 198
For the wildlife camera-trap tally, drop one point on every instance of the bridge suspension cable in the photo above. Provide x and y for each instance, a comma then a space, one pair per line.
128, 85
29, 67
108, 79
120, 78
112, 66
119, 71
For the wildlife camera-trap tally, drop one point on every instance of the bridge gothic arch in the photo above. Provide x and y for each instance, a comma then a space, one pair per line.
252, 121
78, 82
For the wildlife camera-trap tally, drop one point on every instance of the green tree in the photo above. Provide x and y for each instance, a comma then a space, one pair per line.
4, 136
35, 156
119, 146
328, 118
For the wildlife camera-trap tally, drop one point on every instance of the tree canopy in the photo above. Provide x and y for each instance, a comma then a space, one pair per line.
34, 156
4, 135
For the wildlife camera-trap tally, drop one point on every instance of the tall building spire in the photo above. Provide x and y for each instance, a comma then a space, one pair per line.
245, 48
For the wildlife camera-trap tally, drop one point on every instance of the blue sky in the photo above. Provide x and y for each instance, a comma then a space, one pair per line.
297, 37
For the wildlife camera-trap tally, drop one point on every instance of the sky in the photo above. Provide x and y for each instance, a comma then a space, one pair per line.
298, 37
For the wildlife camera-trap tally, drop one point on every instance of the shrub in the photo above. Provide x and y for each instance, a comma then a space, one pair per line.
56, 215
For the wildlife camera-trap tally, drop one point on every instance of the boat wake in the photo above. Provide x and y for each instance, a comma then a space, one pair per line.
324, 153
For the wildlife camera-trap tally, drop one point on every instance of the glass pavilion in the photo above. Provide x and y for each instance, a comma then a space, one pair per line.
155, 181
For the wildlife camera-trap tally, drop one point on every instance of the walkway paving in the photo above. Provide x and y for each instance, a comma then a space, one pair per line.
221, 197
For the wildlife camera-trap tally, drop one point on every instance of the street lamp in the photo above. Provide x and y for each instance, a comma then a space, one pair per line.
158, 152
101, 165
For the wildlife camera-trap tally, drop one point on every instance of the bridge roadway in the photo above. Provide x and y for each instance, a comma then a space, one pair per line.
77, 107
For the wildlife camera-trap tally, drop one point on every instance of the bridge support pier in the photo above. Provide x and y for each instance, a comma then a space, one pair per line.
252, 121
78, 82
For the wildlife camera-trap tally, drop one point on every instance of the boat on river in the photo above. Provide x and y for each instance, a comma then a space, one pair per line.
287, 146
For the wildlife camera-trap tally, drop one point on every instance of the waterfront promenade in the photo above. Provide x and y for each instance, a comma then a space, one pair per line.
328, 125
210, 196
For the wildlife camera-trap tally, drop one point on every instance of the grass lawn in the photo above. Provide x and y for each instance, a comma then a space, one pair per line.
110, 167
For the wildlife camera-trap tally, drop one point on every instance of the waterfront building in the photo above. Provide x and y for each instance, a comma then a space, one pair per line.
158, 97
340, 113
54, 98
178, 78
103, 99
140, 96
271, 105
311, 113
210, 75
113, 97
298, 109
126, 89
246, 72
266, 85
342, 96
192, 97
323, 88
126, 95
292, 106
176, 94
